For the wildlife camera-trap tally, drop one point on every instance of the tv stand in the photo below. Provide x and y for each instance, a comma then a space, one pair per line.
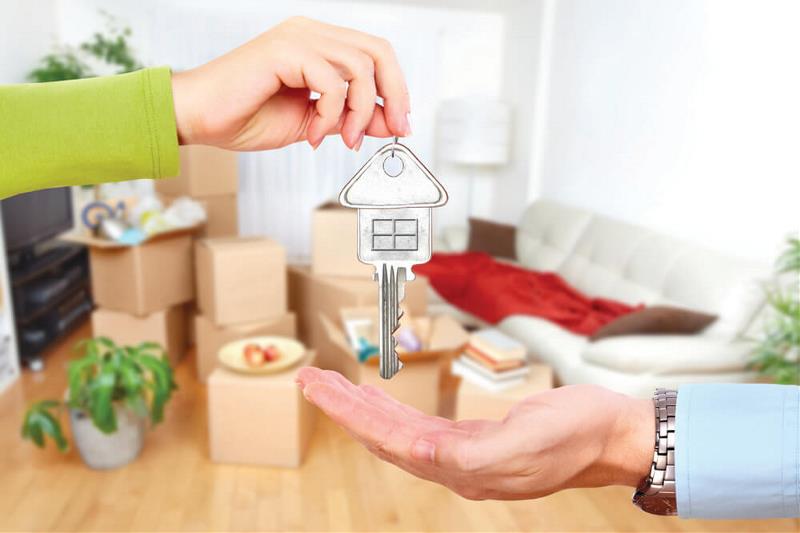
51, 294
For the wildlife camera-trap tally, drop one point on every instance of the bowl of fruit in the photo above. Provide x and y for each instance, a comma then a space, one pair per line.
261, 355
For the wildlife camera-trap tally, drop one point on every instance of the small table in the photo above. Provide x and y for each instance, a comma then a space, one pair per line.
474, 402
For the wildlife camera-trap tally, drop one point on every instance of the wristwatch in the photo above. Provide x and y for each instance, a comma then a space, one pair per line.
656, 492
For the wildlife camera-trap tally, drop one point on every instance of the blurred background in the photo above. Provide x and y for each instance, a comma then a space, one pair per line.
645, 151
650, 104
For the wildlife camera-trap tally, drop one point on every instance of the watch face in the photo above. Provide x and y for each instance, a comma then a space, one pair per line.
660, 504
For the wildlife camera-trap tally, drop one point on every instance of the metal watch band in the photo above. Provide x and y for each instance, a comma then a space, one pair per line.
656, 493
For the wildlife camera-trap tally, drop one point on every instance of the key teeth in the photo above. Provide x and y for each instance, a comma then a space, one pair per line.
392, 279
389, 373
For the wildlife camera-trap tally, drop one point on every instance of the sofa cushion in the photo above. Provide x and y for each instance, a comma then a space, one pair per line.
716, 283
618, 260
656, 320
494, 238
668, 354
547, 233
613, 259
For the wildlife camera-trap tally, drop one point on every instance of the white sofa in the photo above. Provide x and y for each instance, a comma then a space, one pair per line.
604, 257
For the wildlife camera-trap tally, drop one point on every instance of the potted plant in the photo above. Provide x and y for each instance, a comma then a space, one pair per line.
777, 354
108, 52
112, 392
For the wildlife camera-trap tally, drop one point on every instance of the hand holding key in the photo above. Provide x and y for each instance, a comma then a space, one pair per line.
257, 97
569, 437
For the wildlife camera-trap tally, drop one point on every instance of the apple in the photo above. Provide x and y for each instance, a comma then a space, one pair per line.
254, 355
271, 353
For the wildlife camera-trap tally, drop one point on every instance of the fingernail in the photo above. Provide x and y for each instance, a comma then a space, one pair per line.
423, 450
360, 140
408, 124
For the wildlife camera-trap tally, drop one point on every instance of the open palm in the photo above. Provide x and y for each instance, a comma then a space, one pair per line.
578, 436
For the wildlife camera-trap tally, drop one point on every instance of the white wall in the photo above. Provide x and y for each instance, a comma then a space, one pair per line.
27, 32
682, 116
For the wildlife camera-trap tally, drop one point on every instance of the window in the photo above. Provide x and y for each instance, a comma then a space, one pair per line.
394, 235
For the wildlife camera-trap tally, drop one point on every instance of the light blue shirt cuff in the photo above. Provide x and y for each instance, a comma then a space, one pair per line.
737, 451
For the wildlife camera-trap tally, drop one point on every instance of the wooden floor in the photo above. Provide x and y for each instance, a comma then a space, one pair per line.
174, 487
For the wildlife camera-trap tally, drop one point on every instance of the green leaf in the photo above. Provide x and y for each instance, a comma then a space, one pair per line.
161, 385
101, 408
789, 261
51, 427
39, 421
79, 373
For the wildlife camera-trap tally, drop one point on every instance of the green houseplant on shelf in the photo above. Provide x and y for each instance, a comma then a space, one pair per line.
777, 354
110, 51
112, 392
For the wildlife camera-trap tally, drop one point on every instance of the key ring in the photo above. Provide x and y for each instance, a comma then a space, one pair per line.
393, 144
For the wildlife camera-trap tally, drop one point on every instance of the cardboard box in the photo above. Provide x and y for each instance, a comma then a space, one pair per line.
474, 402
222, 214
210, 337
241, 279
166, 327
334, 242
141, 279
205, 171
312, 296
190, 311
259, 419
417, 384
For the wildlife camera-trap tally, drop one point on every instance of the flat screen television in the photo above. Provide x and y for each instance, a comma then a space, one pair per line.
33, 217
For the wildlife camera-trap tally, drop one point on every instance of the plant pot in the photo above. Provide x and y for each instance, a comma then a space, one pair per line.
103, 451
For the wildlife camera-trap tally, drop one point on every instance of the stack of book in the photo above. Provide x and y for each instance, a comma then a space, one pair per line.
493, 361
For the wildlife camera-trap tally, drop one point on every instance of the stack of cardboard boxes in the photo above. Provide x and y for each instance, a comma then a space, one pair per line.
142, 291
241, 292
336, 279
336, 282
211, 177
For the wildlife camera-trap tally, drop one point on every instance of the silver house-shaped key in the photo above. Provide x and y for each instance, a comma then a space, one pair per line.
394, 194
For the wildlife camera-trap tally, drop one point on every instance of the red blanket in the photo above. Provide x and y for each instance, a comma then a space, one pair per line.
491, 290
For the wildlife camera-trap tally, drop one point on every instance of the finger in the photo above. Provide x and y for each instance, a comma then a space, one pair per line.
358, 69
457, 449
320, 76
306, 375
317, 375
377, 126
389, 79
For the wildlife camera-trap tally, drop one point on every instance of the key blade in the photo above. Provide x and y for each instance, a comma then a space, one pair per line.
390, 279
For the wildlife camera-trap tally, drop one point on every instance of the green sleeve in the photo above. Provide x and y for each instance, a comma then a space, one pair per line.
87, 131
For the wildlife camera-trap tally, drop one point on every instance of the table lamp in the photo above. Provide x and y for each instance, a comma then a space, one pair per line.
474, 133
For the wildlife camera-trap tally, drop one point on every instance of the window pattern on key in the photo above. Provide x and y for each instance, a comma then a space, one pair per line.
394, 235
